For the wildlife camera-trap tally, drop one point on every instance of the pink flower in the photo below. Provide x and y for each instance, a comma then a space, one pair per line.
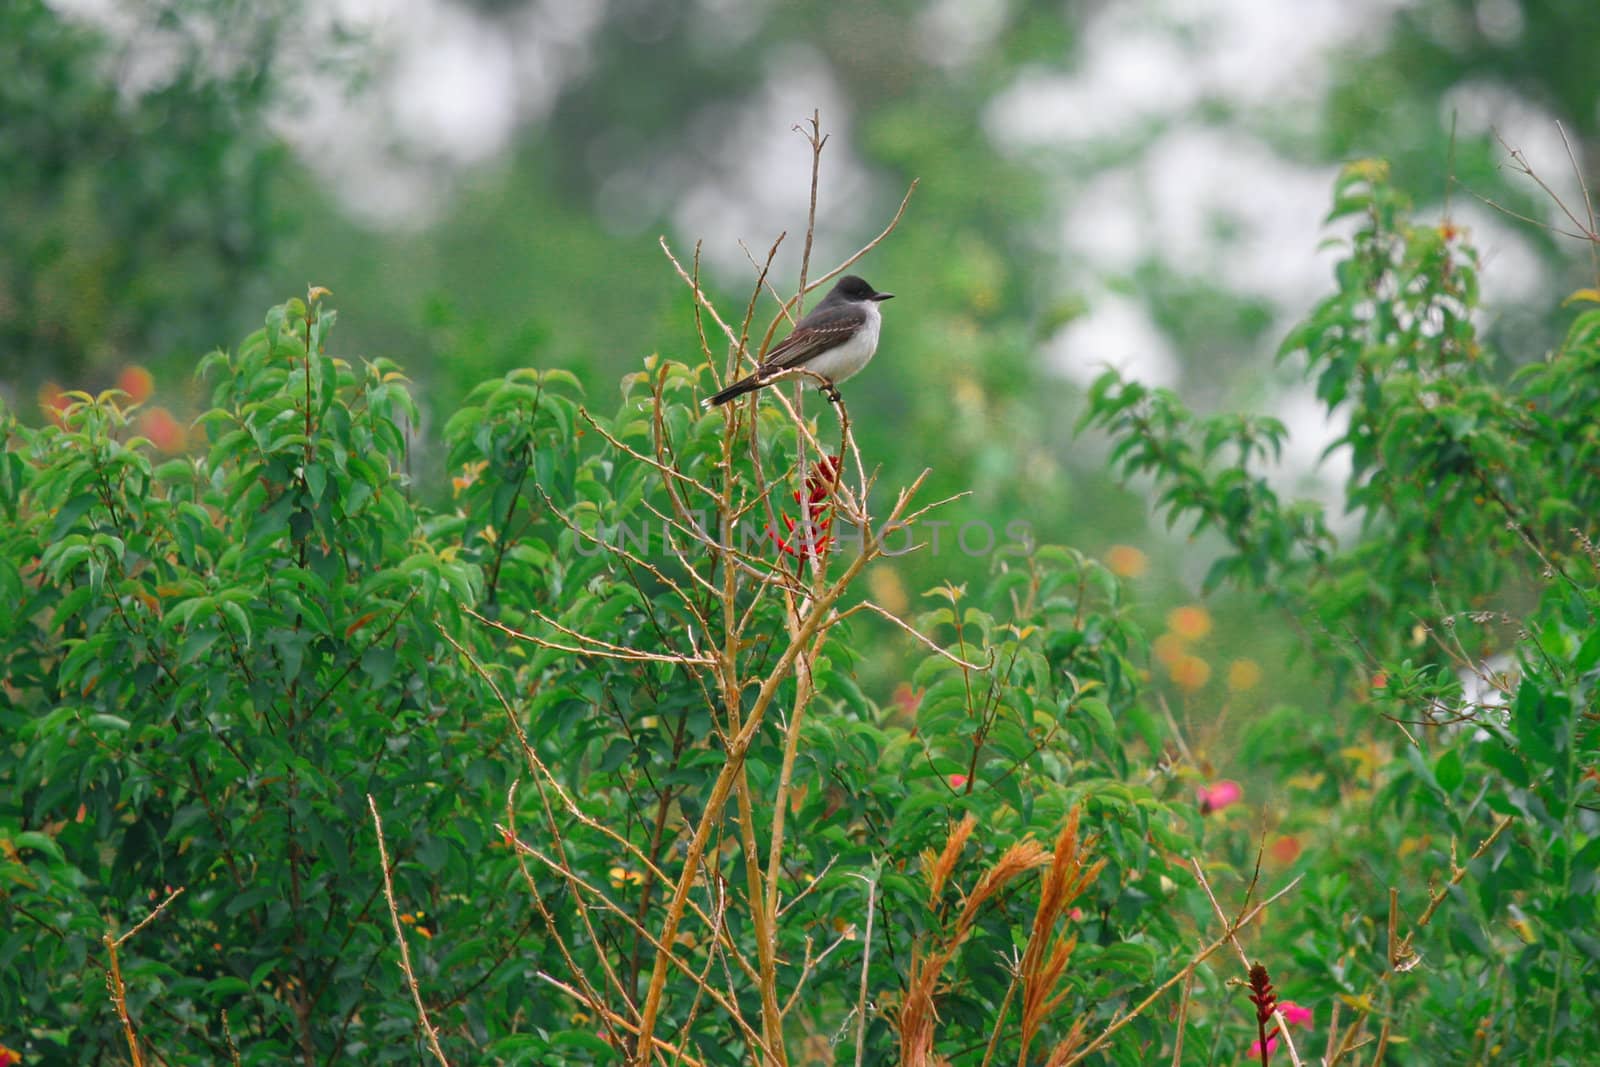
1294, 1014
1217, 796
957, 781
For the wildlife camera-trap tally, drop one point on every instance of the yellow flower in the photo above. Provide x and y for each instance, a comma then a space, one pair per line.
1243, 675
887, 589
621, 876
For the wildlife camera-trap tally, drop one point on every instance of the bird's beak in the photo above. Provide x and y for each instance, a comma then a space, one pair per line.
883, 296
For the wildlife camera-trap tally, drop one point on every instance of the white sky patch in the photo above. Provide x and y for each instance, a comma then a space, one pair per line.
1216, 203
1114, 333
1500, 20
1511, 271
1250, 52
457, 96
1107, 223
450, 89
1210, 201
952, 33
1123, 81
1156, 60
1304, 470
726, 24
754, 175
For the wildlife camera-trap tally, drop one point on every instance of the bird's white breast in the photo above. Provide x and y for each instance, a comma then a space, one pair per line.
841, 361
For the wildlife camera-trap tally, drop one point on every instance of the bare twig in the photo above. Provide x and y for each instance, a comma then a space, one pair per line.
119, 991
742, 699
667, 470
1232, 928
600, 648
817, 140
1588, 203
1585, 232
817, 618
227, 1037
148, 919
554, 928
1184, 998
1200, 957
1402, 957
932, 646
677, 1051
400, 936
1521, 165
866, 959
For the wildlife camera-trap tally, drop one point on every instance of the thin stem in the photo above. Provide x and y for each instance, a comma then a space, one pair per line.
400, 936
119, 991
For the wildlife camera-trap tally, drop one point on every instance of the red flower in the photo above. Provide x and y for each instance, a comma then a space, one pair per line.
906, 698
1285, 849
139, 385
821, 480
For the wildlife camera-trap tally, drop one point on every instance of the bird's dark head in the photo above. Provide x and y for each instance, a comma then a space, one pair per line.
855, 287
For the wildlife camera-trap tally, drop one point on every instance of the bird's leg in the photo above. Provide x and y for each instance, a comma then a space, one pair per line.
830, 391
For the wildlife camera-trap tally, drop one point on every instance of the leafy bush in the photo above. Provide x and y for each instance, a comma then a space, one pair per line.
216, 660
212, 660
1461, 779
635, 806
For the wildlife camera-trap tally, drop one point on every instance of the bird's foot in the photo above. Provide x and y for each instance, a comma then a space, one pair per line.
832, 393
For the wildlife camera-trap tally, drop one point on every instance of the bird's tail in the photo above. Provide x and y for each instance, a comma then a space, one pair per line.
744, 385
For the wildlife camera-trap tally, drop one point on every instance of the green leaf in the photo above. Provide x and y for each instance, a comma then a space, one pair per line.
1449, 771
196, 644
316, 476
378, 664
32, 839
1588, 654
226, 986
236, 615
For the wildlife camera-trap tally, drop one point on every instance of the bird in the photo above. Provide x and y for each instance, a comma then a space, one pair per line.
835, 340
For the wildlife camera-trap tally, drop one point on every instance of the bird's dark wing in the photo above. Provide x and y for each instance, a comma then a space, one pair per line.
817, 332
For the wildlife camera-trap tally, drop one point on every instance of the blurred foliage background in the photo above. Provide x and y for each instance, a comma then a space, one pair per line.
482, 185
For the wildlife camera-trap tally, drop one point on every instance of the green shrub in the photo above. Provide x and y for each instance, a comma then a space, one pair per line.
217, 659
1464, 618
604, 701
